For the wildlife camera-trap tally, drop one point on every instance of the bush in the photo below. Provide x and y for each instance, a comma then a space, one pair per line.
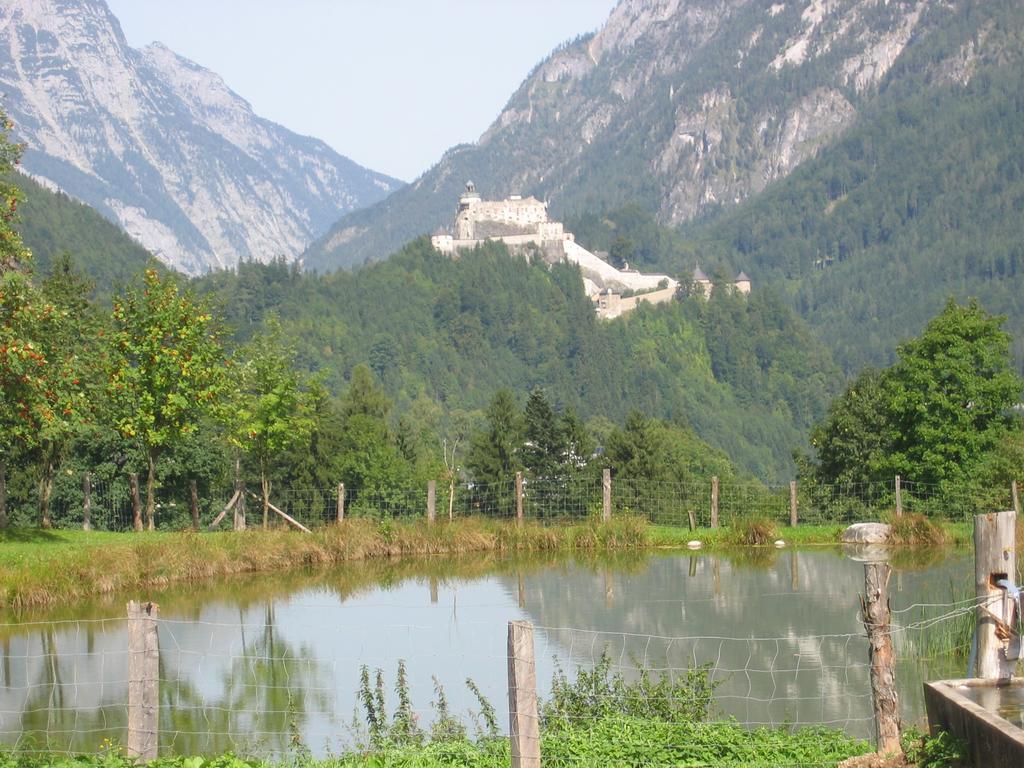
754, 531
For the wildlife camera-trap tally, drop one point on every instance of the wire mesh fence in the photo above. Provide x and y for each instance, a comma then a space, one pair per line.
268, 680
107, 502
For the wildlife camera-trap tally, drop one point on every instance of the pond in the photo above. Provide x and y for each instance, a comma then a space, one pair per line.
258, 664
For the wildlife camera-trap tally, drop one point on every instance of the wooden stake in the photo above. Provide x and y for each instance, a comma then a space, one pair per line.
881, 656
238, 523
431, 501
519, 498
133, 483
714, 501
194, 503
792, 503
87, 502
3, 492
606, 488
341, 502
1015, 494
288, 518
223, 512
899, 497
693, 519
995, 557
143, 681
524, 718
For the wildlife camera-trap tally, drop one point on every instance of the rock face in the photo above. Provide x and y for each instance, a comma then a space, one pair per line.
679, 105
162, 146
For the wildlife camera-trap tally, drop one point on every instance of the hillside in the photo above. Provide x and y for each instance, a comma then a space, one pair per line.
444, 334
680, 107
52, 224
163, 147
920, 201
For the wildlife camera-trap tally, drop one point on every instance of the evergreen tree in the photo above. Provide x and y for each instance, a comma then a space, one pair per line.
494, 454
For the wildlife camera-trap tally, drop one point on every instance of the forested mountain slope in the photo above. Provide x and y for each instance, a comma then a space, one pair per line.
52, 224
680, 107
922, 200
744, 373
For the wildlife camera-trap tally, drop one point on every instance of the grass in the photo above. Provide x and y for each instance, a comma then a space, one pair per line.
43, 569
46, 568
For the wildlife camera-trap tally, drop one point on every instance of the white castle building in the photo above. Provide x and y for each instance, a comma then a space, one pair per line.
523, 225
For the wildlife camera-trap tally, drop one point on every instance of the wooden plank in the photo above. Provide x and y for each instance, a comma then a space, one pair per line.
881, 657
143, 681
523, 715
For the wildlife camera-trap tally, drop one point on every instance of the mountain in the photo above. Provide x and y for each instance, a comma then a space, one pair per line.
681, 106
921, 200
162, 146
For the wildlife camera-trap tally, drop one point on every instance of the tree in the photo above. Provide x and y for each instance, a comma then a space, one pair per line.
494, 452
167, 367
935, 416
950, 395
544, 449
270, 409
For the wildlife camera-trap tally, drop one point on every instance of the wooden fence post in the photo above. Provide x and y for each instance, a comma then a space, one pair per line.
995, 557
3, 492
1015, 495
431, 501
143, 681
523, 716
133, 483
714, 501
606, 503
519, 498
792, 503
193, 503
238, 523
87, 502
341, 502
899, 497
881, 656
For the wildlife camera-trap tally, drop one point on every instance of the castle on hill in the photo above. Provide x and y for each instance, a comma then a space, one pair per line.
701, 282
523, 225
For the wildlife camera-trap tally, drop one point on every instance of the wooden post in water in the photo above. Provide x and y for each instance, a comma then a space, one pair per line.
193, 503
523, 715
1015, 495
341, 502
714, 501
133, 484
87, 502
606, 487
792, 503
143, 681
995, 557
899, 497
881, 657
519, 498
431, 501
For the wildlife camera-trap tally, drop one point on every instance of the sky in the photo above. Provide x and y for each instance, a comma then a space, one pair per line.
391, 84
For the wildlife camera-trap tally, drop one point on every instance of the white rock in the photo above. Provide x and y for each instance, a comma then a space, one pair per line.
779, 544
693, 545
866, 533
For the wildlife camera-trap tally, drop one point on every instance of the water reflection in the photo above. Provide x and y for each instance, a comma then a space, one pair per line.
256, 664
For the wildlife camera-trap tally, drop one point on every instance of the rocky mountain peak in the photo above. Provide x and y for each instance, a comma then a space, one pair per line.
161, 145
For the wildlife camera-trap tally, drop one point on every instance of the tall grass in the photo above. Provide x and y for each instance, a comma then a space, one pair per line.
82, 568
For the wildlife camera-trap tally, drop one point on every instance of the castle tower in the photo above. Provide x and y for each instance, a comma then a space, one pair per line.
464, 229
